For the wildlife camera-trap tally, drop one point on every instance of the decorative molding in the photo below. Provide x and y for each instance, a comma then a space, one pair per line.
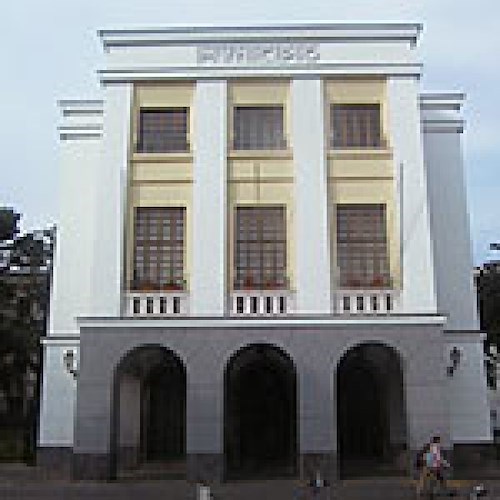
162, 158
442, 101
267, 322
59, 340
78, 132
123, 75
430, 125
464, 336
348, 154
284, 32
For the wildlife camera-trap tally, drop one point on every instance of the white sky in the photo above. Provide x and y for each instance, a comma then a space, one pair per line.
49, 50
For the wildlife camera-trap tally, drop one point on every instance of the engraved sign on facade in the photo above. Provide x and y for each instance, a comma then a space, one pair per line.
258, 53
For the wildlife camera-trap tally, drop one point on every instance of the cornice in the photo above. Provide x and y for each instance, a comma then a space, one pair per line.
81, 119
317, 31
355, 68
290, 322
443, 126
78, 132
442, 101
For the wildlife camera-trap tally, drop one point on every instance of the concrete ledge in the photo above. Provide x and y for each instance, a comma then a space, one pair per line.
91, 466
207, 468
476, 460
55, 461
325, 463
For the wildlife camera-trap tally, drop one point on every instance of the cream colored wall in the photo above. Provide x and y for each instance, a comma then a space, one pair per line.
260, 93
261, 182
173, 95
359, 91
361, 175
160, 180
260, 177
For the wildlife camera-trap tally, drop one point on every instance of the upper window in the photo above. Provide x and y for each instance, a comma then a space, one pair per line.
159, 248
362, 256
163, 130
258, 127
260, 247
355, 126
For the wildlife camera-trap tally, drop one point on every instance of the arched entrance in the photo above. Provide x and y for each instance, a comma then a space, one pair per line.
260, 431
149, 414
371, 417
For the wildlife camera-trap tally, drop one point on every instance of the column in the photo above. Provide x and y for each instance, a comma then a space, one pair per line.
110, 204
311, 198
208, 280
205, 417
418, 293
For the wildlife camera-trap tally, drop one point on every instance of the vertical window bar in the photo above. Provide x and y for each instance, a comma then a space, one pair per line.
176, 305
355, 126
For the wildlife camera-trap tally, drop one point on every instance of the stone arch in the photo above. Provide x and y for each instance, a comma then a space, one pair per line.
149, 411
260, 412
371, 409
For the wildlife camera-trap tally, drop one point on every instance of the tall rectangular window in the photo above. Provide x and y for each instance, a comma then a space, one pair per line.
163, 130
159, 248
258, 127
355, 126
260, 247
362, 255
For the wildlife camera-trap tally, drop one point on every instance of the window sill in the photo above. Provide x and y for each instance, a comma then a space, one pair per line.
360, 153
181, 157
285, 154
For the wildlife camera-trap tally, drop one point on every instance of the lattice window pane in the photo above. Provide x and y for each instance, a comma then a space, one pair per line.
159, 247
163, 130
258, 127
260, 247
355, 126
362, 255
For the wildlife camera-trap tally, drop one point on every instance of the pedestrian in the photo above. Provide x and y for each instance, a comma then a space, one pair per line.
422, 468
435, 462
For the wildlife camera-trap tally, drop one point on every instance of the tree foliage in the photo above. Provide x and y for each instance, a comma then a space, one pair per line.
25, 264
488, 291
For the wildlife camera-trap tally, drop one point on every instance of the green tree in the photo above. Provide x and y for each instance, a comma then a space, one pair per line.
488, 292
25, 268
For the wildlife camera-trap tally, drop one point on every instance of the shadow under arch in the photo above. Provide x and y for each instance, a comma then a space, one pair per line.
148, 431
371, 411
260, 413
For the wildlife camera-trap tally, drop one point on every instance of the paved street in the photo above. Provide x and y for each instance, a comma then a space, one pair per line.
19, 482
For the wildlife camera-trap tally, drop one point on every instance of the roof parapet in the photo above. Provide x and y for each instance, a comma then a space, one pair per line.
80, 119
174, 34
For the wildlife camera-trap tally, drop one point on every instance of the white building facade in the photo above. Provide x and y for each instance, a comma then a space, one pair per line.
263, 260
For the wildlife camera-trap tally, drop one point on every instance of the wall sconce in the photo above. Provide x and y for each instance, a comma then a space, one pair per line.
70, 362
455, 357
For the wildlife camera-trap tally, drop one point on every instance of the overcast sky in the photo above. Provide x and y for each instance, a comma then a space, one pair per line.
49, 50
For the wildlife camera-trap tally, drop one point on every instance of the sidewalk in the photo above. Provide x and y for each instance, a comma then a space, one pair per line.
18, 482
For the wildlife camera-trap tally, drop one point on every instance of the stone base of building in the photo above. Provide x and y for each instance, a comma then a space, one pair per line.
476, 459
325, 463
56, 462
207, 468
128, 457
93, 466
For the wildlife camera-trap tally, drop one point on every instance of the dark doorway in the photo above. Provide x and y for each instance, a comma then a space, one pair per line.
371, 423
260, 413
164, 414
149, 431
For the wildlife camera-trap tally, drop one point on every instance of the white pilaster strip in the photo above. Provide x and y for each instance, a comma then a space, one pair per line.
107, 271
313, 275
208, 286
418, 293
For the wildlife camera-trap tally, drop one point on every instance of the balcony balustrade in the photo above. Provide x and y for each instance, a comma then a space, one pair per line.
365, 301
254, 303
261, 303
157, 304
